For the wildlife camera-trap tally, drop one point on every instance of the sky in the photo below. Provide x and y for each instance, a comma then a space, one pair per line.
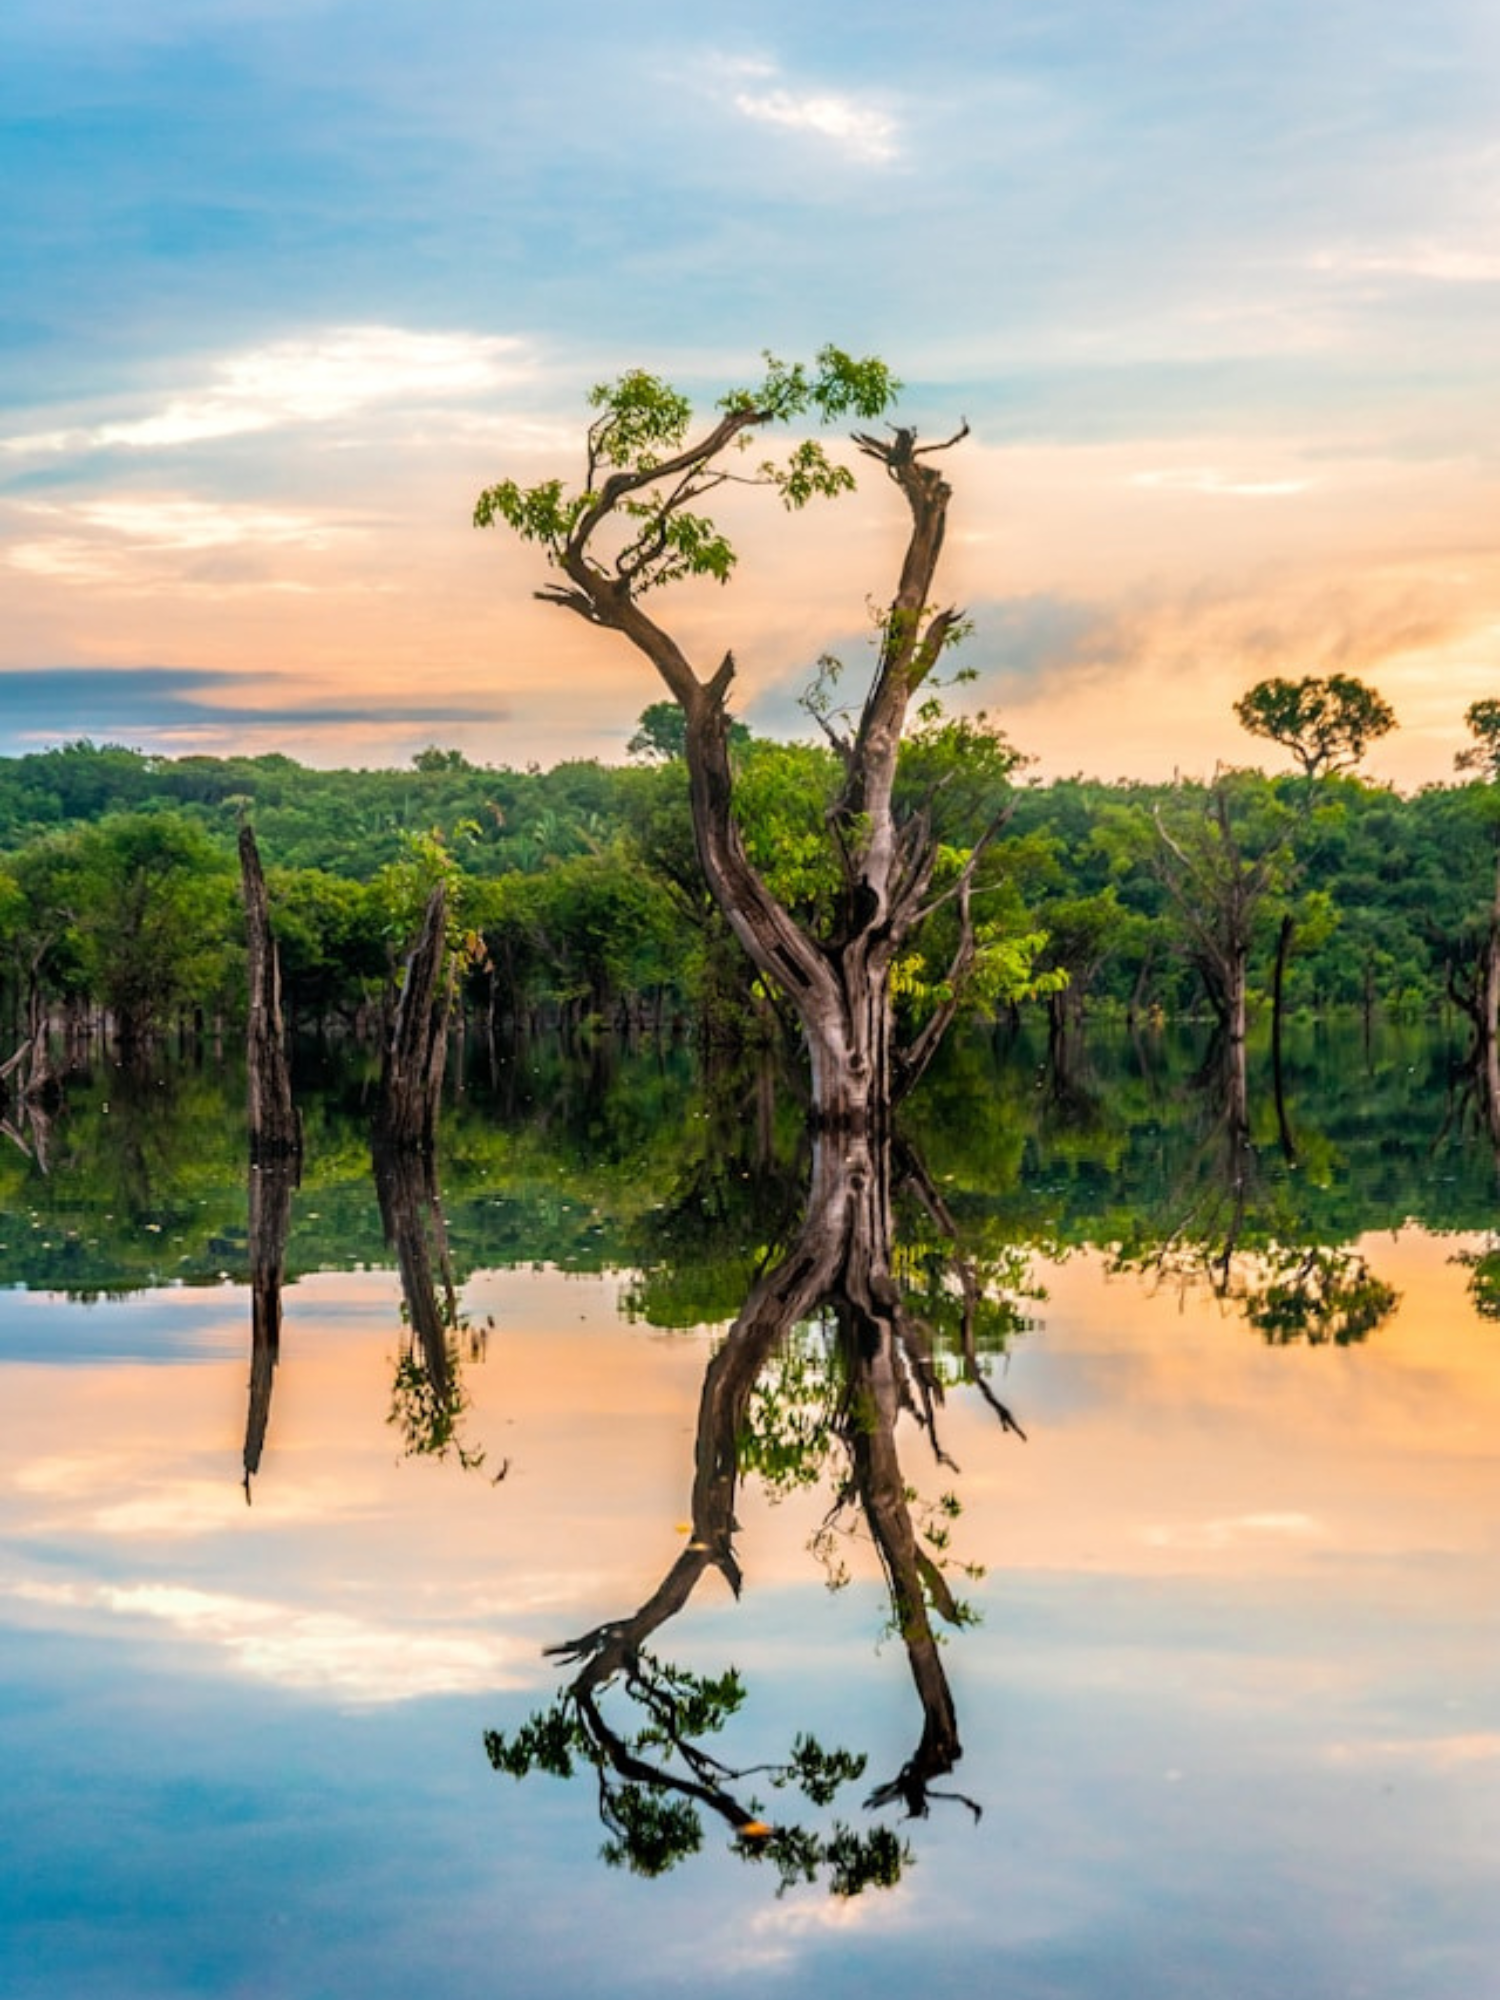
285, 283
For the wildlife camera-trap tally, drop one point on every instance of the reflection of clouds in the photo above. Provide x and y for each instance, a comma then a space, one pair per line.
320, 1651
1434, 262
772, 1936
156, 1506
1442, 1752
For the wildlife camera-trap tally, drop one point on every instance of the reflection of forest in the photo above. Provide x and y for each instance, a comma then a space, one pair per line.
627, 1161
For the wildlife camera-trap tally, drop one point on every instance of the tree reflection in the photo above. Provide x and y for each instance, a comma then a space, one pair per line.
1230, 1226
271, 1185
428, 1398
639, 1723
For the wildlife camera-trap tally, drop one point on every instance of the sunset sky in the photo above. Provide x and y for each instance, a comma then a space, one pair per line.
283, 283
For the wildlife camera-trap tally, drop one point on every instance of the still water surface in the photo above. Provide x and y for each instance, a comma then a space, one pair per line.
1226, 1687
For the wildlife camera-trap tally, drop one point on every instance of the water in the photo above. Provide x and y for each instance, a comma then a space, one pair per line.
1225, 1688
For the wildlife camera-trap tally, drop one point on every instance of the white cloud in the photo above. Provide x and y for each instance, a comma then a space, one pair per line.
1439, 263
320, 1651
138, 541
317, 380
776, 1936
1235, 1530
857, 129
856, 126
176, 521
1205, 479
1441, 1752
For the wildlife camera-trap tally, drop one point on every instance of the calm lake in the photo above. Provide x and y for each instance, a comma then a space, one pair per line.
1217, 1639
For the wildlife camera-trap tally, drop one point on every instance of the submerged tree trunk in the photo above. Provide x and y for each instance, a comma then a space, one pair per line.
1487, 1018
411, 1080
275, 1131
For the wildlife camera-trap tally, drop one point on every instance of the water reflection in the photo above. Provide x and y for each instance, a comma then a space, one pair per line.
270, 1210
428, 1398
640, 1724
1228, 1222
1231, 1716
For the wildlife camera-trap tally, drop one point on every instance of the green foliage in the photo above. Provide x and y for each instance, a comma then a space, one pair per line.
652, 1833
789, 1425
1327, 724
785, 792
1317, 1294
548, 1741
644, 476
1483, 754
817, 1773
1484, 1280
428, 1405
655, 1778
1391, 896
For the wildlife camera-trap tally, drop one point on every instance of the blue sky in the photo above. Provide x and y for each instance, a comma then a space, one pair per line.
285, 283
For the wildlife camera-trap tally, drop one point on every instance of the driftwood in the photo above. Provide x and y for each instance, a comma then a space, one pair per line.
275, 1130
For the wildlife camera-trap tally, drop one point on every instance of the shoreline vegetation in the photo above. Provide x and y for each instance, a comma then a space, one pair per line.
575, 902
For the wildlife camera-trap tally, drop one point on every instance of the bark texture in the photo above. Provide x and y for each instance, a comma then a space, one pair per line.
411, 1081
275, 1130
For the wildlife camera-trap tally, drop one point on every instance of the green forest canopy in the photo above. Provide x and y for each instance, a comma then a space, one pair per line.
579, 884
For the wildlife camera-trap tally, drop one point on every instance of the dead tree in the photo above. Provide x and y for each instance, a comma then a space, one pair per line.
275, 1130
416, 1042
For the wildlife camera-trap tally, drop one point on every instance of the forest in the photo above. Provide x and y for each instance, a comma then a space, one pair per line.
575, 899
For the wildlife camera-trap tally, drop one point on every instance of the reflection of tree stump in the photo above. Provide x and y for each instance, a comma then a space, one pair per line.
271, 1187
275, 1133
429, 1398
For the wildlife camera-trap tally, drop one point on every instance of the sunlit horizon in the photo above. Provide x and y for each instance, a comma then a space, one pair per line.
1217, 296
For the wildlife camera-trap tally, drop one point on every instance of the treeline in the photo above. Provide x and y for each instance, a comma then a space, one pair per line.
576, 895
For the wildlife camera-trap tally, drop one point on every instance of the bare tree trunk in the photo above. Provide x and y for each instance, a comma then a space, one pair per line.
275, 1131
1489, 1014
411, 1081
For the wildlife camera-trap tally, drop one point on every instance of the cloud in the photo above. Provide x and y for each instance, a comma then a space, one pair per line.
856, 126
857, 129
1205, 479
1436, 263
1441, 1752
332, 375
119, 704
322, 1652
123, 541
1025, 639
1235, 1530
